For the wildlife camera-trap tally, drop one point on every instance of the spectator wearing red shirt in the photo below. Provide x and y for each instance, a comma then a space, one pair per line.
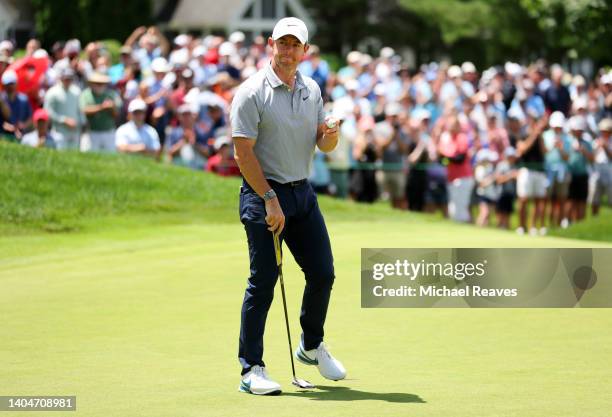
223, 162
453, 146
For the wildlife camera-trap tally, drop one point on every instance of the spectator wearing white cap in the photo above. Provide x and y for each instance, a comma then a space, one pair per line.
62, 104
229, 61
452, 89
601, 180
470, 74
533, 100
7, 48
19, 117
531, 181
580, 160
316, 68
147, 44
558, 148
420, 152
557, 96
353, 67
119, 71
605, 86
346, 104
238, 38
392, 144
101, 106
136, 136
185, 85
188, 143
158, 94
71, 58
454, 147
487, 190
223, 162
505, 177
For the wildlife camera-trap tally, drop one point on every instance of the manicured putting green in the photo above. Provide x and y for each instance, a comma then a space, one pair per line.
143, 321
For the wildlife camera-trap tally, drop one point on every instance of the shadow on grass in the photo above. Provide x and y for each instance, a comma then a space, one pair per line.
328, 393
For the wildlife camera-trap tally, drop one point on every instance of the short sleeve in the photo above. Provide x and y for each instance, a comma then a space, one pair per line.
320, 112
121, 136
84, 100
244, 114
155, 145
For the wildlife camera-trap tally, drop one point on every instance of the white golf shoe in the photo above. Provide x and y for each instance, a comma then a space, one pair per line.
257, 382
329, 367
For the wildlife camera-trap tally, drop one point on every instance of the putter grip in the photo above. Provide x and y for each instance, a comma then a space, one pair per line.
277, 249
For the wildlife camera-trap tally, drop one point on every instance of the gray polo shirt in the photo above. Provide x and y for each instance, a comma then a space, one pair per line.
282, 122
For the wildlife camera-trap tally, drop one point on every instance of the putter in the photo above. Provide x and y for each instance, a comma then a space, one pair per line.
298, 382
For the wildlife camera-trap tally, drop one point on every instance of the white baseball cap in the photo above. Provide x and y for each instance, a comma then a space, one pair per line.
387, 52
221, 141
454, 71
577, 123
393, 109
136, 105
227, 49
160, 64
468, 67
557, 119
181, 40
236, 37
291, 26
9, 77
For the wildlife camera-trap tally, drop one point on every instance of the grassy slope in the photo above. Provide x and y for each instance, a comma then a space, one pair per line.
57, 192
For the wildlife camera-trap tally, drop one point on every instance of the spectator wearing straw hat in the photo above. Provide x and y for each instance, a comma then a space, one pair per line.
101, 106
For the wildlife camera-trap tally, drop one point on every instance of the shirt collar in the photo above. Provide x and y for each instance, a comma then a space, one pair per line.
276, 82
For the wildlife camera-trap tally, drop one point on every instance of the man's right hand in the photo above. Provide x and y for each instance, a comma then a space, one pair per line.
275, 216
70, 122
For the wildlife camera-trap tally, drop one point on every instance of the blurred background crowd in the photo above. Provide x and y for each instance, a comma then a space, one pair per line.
473, 143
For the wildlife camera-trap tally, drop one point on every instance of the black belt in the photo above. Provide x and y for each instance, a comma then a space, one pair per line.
291, 183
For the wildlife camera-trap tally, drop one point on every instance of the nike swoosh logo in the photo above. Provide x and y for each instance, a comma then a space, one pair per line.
305, 98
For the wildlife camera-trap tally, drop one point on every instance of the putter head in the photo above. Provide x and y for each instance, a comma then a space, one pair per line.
300, 383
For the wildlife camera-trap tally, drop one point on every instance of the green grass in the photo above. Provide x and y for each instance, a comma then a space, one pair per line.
144, 322
138, 314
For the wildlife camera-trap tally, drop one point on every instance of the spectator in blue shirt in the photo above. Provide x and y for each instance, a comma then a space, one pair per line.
315, 68
188, 144
20, 117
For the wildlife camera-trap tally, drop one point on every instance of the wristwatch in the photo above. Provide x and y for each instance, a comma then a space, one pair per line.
269, 195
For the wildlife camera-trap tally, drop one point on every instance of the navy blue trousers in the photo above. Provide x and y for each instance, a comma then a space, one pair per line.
306, 237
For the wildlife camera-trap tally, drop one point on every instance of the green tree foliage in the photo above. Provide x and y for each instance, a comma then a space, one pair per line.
484, 31
579, 27
555, 29
89, 20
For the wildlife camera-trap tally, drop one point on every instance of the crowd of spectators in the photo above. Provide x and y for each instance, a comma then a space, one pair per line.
471, 144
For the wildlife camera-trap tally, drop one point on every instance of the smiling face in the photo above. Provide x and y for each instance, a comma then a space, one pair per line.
287, 51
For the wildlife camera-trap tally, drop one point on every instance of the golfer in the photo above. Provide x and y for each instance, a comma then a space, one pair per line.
277, 120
